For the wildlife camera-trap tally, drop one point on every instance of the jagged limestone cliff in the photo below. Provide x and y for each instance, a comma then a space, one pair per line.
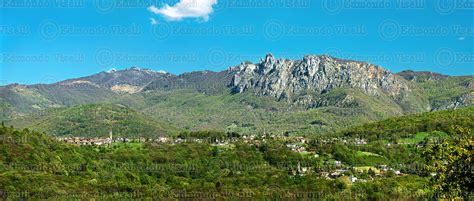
304, 81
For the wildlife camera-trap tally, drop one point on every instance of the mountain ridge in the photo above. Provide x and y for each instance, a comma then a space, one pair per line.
403, 73
274, 89
290, 79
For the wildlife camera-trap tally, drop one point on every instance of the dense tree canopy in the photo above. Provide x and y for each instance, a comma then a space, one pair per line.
34, 165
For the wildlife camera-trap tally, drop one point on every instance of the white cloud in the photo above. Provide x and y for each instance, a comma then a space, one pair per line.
153, 21
185, 9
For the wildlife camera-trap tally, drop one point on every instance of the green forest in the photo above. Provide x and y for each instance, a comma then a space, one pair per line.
423, 156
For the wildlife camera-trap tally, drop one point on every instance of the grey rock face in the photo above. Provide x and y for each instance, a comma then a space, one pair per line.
458, 102
315, 75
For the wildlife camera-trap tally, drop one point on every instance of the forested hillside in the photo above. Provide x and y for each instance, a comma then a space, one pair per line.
95, 120
406, 126
34, 165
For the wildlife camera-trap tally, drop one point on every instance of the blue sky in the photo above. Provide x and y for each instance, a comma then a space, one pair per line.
45, 43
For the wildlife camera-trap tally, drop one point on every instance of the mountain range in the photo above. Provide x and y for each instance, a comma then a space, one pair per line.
317, 94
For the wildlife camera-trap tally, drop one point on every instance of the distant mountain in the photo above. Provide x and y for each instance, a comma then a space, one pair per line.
306, 81
316, 94
291, 79
442, 91
202, 81
130, 80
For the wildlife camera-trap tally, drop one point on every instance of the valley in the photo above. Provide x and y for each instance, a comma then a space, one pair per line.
318, 128
237, 100
215, 165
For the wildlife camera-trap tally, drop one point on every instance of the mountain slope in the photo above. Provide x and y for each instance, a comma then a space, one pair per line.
207, 82
443, 92
247, 113
95, 120
305, 81
317, 94
131, 80
23, 99
99, 88
409, 125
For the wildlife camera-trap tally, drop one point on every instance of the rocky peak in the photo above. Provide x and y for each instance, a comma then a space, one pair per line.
314, 75
113, 70
269, 58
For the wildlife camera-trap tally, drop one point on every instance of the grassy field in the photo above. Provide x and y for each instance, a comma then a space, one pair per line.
364, 153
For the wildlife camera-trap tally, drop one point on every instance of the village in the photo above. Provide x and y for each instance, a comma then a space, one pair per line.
298, 144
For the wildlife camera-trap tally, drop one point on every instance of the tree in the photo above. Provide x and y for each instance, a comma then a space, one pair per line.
451, 161
371, 173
